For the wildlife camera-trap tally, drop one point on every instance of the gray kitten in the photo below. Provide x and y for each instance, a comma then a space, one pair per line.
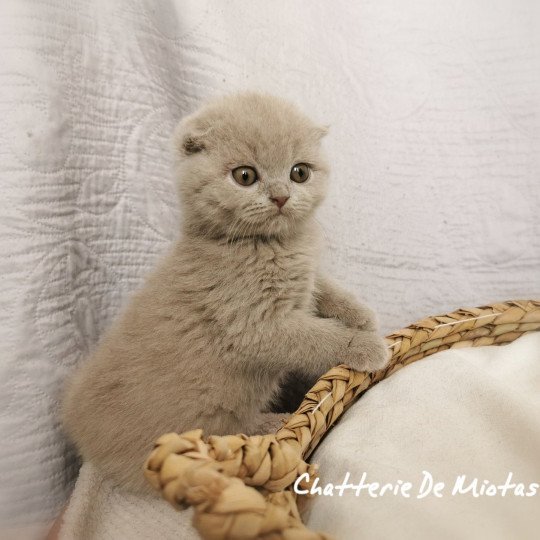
237, 303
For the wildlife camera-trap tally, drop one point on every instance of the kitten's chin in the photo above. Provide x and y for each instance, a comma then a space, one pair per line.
283, 225
279, 226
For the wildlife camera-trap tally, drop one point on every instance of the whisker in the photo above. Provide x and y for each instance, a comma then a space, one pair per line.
322, 229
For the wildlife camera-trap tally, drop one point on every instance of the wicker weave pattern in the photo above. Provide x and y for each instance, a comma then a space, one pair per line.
215, 476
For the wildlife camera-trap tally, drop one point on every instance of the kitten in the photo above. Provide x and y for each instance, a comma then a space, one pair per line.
237, 303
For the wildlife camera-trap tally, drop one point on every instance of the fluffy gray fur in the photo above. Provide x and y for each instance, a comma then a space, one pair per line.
236, 303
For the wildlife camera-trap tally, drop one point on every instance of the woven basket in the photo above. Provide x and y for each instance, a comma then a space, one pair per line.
241, 487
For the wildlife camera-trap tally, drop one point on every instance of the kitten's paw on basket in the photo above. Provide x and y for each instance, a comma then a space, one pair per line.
366, 351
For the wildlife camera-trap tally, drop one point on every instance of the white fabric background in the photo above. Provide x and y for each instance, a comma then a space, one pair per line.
434, 141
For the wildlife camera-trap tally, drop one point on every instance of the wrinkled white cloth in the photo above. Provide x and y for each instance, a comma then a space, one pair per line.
434, 134
99, 511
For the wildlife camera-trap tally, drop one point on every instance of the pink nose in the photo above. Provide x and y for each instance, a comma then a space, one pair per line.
279, 201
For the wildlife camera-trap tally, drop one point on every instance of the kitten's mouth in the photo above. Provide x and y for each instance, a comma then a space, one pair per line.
281, 211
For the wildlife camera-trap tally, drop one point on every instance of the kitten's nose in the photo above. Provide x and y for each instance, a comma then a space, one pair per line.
279, 201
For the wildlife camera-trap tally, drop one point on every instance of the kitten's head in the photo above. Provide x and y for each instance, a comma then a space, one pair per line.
250, 165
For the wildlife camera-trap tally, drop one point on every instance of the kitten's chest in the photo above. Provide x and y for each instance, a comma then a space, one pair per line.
284, 268
277, 275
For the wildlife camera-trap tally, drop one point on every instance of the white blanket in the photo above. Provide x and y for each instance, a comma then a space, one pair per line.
472, 412
433, 108
99, 511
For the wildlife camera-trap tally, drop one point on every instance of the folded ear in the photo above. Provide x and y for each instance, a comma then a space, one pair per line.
191, 137
321, 131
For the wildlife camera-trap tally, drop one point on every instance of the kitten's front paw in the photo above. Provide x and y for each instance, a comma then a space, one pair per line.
361, 318
367, 351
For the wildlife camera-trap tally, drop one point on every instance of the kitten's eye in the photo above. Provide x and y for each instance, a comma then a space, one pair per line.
300, 173
245, 176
